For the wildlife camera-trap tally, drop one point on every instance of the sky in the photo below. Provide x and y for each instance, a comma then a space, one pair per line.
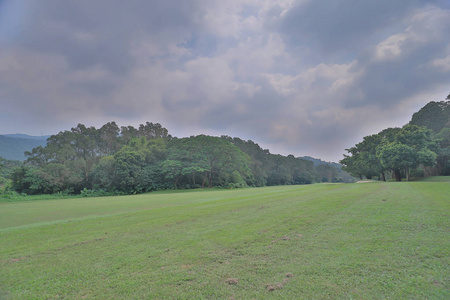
306, 77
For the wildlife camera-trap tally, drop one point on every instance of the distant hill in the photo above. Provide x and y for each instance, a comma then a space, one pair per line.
318, 162
13, 146
26, 136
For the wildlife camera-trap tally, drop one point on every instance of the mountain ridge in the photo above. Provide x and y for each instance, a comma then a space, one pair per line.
13, 147
26, 136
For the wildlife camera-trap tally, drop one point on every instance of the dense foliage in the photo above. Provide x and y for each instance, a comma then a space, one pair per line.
421, 147
115, 159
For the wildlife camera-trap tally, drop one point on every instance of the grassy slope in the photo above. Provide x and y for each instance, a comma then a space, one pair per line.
375, 240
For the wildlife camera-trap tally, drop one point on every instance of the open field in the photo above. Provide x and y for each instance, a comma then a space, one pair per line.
323, 241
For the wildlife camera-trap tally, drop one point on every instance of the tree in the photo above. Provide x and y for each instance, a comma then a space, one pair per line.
434, 115
131, 161
127, 133
260, 160
303, 178
188, 157
363, 160
397, 156
412, 146
213, 156
153, 131
128, 165
443, 152
109, 139
172, 169
104, 173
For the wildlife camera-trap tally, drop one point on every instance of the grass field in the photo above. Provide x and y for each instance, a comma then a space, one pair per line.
323, 241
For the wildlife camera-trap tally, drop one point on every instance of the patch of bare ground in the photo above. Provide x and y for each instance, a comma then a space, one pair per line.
87, 242
286, 238
181, 222
232, 280
17, 259
279, 285
437, 283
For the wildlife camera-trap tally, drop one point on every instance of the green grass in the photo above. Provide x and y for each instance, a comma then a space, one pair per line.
350, 241
433, 179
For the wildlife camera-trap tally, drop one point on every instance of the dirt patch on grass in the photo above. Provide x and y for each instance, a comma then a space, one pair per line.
17, 259
286, 238
232, 281
279, 285
87, 242
186, 266
437, 283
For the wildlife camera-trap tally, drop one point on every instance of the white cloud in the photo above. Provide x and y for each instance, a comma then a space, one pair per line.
391, 48
442, 64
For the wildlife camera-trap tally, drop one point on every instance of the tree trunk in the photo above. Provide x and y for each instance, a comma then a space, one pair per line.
397, 175
86, 176
203, 182
407, 174
210, 180
383, 177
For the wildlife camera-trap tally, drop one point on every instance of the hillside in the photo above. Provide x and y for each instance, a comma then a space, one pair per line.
434, 115
13, 146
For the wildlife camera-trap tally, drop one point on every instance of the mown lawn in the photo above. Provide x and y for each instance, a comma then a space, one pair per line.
323, 241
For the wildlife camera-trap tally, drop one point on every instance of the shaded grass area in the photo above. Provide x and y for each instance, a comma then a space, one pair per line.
377, 240
433, 179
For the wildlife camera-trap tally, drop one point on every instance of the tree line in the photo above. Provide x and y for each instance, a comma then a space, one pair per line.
130, 160
420, 148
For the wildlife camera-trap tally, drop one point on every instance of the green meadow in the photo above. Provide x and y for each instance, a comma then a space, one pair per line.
371, 240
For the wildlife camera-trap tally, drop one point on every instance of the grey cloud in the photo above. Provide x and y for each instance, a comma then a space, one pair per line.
308, 81
337, 29
405, 66
101, 32
251, 114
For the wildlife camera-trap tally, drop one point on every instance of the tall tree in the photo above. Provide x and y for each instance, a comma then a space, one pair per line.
109, 139
153, 131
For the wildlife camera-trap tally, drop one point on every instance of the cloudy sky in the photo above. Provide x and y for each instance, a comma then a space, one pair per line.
306, 77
